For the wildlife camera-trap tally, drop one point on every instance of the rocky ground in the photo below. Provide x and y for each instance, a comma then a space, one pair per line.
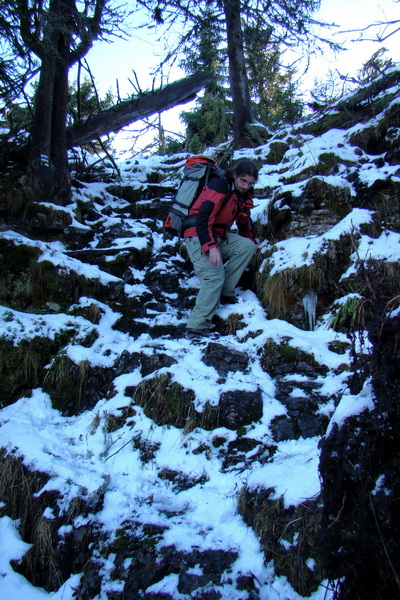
262, 463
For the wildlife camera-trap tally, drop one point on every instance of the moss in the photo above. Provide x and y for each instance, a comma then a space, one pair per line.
218, 441
202, 449
327, 163
276, 153
337, 199
284, 358
118, 266
16, 257
49, 284
91, 313
339, 347
16, 274
332, 120
26, 282
65, 382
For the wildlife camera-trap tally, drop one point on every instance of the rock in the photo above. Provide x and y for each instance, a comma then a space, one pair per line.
238, 408
282, 429
154, 362
225, 359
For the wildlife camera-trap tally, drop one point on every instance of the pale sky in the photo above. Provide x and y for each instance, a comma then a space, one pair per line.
117, 60
358, 14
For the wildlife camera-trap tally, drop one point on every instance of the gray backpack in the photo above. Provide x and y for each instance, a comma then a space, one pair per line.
197, 172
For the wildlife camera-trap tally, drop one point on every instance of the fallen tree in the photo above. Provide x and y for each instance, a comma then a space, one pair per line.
113, 119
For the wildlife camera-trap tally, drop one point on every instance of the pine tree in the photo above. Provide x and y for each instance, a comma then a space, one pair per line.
290, 23
53, 35
209, 123
272, 87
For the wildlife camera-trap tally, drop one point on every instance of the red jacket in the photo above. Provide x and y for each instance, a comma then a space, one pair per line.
214, 214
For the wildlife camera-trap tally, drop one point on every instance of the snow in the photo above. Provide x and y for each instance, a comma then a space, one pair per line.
80, 456
13, 585
299, 251
352, 405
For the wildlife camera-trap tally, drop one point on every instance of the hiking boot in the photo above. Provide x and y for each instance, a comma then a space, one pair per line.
196, 333
228, 300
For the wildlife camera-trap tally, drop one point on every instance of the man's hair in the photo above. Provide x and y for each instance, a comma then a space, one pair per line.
244, 167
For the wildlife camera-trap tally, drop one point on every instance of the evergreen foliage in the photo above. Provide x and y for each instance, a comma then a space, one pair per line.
208, 125
272, 88
248, 38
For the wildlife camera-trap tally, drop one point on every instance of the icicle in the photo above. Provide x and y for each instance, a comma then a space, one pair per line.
310, 307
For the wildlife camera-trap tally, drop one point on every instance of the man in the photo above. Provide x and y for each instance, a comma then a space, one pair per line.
220, 256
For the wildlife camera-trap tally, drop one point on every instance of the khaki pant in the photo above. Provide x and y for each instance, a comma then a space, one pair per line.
236, 252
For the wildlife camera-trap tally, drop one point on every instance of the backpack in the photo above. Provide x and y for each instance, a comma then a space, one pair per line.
197, 172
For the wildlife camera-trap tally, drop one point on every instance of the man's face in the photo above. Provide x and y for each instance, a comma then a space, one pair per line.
243, 182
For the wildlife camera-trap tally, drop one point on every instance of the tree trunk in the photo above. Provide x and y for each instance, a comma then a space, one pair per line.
243, 113
40, 166
48, 173
61, 178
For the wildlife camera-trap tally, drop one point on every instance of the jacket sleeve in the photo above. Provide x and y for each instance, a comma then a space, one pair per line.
244, 222
209, 202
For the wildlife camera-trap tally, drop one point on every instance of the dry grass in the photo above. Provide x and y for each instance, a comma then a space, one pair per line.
288, 536
164, 402
19, 489
283, 289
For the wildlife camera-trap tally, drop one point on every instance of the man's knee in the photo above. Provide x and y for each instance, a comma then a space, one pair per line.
215, 276
249, 247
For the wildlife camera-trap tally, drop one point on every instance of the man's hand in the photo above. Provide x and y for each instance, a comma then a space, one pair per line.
214, 257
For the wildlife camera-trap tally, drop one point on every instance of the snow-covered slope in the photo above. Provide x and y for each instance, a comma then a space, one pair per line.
135, 452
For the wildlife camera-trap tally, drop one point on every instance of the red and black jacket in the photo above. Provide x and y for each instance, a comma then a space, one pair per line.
215, 211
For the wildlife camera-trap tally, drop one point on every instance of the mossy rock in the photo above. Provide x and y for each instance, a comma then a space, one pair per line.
279, 360
277, 150
22, 365
75, 388
326, 195
120, 265
283, 292
334, 119
288, 536
164, 401
27, 282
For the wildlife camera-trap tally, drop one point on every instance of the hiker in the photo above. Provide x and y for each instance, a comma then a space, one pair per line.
220, 256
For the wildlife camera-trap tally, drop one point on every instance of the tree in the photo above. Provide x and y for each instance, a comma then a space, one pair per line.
58, 33
272, 88
375, 66
16, 65
124, 113
242, 109
207, 125
210, 122
290, 23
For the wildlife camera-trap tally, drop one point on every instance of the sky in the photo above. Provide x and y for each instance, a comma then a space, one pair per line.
117, 61
81, 456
